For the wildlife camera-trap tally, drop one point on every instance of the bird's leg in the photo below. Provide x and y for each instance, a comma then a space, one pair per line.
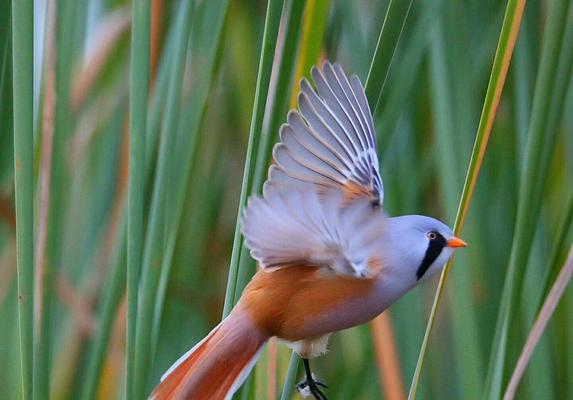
311, 383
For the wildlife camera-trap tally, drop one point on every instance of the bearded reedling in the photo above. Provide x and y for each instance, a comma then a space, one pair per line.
329, 257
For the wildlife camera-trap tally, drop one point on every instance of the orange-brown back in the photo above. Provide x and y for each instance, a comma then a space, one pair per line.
282, 303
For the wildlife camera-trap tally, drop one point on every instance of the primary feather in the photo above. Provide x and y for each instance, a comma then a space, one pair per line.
301, 225
330, 141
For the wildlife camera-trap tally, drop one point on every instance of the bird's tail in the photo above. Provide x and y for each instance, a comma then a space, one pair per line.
217, 366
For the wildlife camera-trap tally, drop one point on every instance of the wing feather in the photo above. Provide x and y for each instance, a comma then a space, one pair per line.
287, 227
305, 156
297, 169
340, 100
330, 141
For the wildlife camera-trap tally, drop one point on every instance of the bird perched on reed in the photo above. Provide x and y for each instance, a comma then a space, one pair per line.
329, 257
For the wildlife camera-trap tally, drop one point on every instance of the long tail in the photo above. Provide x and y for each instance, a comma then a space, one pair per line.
217, 366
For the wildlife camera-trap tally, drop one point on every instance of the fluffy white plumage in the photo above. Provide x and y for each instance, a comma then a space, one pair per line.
301, 226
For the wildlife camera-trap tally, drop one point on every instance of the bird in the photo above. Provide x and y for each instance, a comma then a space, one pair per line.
329, 256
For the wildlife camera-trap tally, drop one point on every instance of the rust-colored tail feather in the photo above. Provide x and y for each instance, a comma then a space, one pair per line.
217, 366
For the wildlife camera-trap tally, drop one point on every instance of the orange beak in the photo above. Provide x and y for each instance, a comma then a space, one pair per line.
456, 242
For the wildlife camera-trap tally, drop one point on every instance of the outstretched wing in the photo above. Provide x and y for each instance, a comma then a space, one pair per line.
298, 226
330, 141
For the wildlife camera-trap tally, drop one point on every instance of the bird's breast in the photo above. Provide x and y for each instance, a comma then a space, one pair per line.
303, 302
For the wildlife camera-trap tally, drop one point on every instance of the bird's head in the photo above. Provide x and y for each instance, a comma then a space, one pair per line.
419, 246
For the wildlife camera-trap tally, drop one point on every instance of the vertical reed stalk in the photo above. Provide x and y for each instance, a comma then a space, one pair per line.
540, 324
111, 297
155, 235
396, 16
553, 79
389, 372
315, 18
23, 50
270, 32
290, 377
283, 86
139, 82
45, 173
507, 38
204, 46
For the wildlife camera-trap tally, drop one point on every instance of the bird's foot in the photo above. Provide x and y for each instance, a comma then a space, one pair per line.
311, 387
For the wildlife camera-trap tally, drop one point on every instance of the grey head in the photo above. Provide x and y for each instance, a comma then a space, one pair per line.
417, 247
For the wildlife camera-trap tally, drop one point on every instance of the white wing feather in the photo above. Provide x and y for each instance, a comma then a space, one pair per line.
295, 226
330, 141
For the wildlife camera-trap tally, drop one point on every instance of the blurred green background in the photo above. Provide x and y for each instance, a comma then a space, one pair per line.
204, 61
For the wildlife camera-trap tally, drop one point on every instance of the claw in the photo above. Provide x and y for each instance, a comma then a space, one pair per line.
311, 390
310, 386
303, 389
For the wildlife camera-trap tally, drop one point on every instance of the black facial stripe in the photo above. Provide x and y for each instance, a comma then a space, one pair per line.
434, 249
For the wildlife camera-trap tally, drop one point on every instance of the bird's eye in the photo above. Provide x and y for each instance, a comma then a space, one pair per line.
432, 235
